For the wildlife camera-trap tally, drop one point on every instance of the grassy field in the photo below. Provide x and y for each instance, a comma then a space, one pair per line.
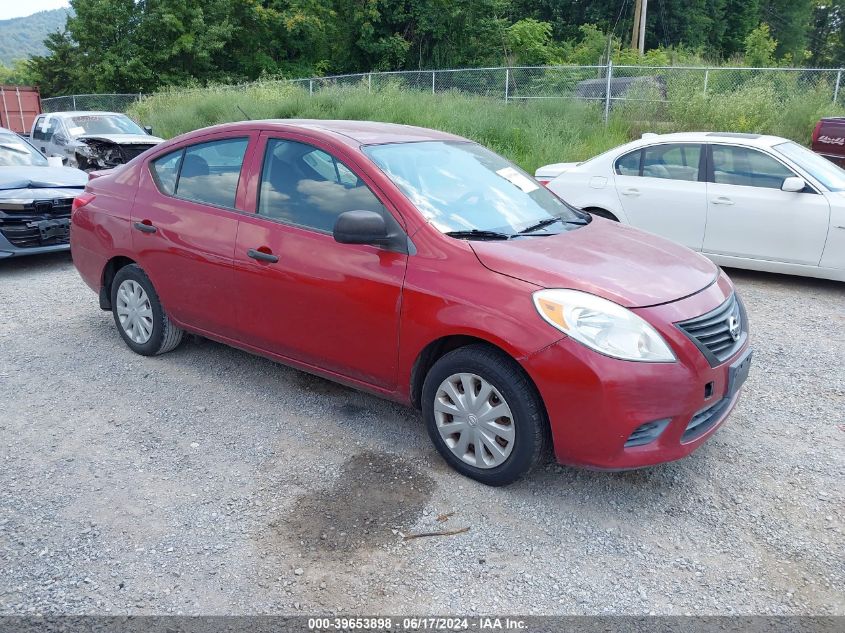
531, 133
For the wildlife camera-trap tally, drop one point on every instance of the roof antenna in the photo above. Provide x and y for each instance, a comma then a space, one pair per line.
246, 116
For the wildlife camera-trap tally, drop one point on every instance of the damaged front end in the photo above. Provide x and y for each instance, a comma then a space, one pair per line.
99, 153
35, 224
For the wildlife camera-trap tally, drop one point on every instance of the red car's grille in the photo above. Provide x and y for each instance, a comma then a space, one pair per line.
720, 332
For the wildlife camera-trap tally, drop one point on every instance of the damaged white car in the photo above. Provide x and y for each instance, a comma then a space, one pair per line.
91, 140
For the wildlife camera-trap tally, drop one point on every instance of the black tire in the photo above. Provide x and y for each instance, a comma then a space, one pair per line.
165, 336
529, 416
607, 215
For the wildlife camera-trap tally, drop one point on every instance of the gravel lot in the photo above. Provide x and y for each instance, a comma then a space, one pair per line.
209, 481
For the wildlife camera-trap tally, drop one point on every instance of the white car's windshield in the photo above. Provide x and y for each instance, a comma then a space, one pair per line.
830, 175
103, 124
461, 186
15, 152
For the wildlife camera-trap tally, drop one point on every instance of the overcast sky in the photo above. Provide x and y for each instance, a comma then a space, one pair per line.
11, 9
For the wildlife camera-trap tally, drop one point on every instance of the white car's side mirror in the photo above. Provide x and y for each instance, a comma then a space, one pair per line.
55, 161
793, 184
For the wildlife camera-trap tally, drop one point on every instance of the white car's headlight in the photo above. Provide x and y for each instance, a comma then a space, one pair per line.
602, 325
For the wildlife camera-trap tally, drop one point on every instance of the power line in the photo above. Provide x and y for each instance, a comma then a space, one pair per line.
618, 17
663, 24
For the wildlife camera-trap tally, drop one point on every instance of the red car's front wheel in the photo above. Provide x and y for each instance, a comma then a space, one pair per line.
484, 415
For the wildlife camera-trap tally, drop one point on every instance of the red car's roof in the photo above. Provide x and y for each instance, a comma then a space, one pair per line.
349, 132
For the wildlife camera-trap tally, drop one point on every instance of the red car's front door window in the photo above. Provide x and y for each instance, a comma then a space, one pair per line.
305, 186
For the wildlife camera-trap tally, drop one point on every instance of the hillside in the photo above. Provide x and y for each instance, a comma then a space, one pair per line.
23, 37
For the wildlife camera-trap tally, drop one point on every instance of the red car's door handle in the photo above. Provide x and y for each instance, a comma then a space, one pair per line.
145, 227
261, 255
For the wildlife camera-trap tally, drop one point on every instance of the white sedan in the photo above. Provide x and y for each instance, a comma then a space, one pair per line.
743, 200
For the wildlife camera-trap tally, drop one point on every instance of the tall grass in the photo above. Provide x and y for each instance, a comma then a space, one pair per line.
769, 103
530, 133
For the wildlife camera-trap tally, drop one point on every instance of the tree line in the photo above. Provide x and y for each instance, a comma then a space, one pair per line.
142, 45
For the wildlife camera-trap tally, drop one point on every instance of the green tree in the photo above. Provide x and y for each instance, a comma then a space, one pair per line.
591, 48
58, 72
760, 47
18, 73
529, 42
737, 19
826, 40
180, 40
790, 25
109, 57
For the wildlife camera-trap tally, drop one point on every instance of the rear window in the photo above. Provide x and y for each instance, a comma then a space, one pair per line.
629, 164
166, 171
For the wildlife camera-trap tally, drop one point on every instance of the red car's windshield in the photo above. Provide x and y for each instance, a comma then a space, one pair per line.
461, 186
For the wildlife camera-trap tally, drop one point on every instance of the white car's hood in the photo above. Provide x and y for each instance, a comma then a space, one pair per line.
547, 172
40, 177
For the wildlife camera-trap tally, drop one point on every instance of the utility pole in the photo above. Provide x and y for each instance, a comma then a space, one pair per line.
642, 25
638, 32
635, 31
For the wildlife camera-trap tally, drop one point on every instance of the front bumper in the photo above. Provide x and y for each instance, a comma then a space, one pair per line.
595, 403
36, 226
7, 249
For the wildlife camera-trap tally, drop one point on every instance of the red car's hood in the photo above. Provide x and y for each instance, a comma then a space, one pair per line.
633, 268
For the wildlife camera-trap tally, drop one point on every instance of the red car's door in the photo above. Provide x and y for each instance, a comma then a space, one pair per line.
185, 220
333, 306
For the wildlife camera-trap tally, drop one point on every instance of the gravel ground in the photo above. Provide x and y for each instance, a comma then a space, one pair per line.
210, 481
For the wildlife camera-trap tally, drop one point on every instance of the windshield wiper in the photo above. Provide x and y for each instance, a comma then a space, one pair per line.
479, 234
540, 225
548, 222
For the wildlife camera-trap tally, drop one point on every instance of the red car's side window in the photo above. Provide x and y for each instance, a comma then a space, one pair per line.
306, 186
206, 172
165, 171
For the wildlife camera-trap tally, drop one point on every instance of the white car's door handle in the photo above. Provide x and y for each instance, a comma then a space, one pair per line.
630, 192
722, 200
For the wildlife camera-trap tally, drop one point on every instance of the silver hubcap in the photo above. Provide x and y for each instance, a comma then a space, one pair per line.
134, 311
474, 420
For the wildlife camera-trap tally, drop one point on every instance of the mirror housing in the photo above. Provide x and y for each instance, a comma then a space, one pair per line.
55, 161
793, 184
368, 227
148, 129
59, 139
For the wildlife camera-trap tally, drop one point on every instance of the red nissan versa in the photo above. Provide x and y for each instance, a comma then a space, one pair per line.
424, 268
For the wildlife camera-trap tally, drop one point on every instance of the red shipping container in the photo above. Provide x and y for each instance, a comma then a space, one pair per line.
19, 105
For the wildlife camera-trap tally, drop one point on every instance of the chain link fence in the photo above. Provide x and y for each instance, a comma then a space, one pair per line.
103, 102
643, 93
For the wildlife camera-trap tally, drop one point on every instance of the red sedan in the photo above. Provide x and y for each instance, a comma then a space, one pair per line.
424, 268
